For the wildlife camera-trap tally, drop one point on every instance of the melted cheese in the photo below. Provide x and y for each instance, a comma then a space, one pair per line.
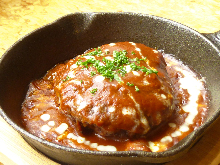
45, 117
128, 68
193, 86
106, 148
112, 44
172, 125
62, 128
45, 128
109, 58
154, 147
73, 66
132, 43
176, 134
51, 123
111, 109
166, 139
135, 73
89, 57
99, 78
82, 105
128, 111
82, 140
143, 118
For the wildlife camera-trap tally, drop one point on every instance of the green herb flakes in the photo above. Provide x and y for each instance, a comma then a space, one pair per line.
137, 89
93, 91
67, 78
115, 68
93, 73
95, 52
117, 78
130, 84
148, 71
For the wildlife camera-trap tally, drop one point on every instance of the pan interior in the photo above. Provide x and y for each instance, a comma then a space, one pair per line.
33, 55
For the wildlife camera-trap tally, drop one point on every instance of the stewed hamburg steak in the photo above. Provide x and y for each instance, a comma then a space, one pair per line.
116, 93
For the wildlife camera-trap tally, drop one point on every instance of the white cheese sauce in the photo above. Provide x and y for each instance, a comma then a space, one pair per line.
194, 86
83, 140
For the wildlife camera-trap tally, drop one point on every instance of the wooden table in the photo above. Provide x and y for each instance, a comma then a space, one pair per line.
19, 17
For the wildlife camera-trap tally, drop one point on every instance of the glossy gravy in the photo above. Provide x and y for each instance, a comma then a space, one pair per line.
62, 118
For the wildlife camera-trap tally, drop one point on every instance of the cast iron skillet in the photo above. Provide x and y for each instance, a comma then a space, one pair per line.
33, 55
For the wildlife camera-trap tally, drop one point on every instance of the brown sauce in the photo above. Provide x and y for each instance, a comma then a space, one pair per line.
144, 103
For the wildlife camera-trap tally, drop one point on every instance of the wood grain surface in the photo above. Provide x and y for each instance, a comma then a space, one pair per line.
19, 17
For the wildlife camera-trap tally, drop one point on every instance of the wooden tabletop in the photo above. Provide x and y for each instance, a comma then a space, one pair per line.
19, 17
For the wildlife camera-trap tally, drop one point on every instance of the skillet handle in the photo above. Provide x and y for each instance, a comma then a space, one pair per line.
214, 37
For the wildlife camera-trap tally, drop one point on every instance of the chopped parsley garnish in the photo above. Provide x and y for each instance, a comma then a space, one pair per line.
142, 68
138, 59
120, 58
95, 52
87, 62
148, 71
81, 81
113, 68
117, 78
137, 89
67, 78
133, 53
94, 90
93, 73
130, 84
135, 67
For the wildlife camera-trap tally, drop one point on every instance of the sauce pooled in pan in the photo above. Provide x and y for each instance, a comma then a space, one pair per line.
118, 97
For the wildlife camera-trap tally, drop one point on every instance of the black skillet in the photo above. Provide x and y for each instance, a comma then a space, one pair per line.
33, 55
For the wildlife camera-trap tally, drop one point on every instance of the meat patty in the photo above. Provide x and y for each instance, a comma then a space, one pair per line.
118, 88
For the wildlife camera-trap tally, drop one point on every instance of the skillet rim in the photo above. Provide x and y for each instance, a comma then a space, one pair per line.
190, 139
